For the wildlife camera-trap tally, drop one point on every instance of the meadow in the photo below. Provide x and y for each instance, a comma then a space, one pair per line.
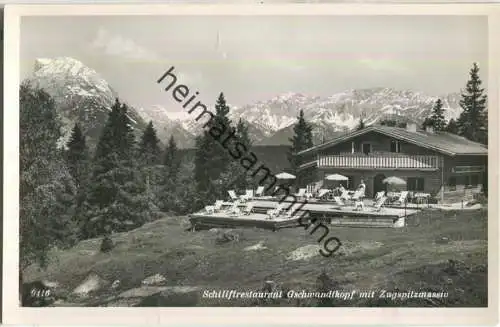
441, 251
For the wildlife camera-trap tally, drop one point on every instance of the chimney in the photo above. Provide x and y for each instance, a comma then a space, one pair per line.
411, 127
429, 129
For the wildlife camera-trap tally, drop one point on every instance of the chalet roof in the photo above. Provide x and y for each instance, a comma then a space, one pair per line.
442, 142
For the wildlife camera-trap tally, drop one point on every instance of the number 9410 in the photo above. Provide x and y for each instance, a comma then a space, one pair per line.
40, 293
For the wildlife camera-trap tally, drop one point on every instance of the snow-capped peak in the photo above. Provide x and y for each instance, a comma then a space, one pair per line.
58, 65
66, 69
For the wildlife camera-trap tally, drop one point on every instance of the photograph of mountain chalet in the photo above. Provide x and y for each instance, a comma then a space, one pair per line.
294, 159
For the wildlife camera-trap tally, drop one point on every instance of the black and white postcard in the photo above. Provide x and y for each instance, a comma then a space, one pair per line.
244, 164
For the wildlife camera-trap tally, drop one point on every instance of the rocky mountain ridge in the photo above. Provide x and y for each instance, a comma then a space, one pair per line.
82, 95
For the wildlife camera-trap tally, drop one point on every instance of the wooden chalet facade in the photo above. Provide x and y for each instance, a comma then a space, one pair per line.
444, 165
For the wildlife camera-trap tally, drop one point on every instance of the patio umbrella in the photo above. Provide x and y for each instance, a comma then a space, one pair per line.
336, 177
393, 180
285, 176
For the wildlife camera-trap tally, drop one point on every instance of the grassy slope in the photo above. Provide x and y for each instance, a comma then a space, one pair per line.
406, 258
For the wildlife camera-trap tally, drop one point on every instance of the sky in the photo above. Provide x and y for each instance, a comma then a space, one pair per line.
254, 58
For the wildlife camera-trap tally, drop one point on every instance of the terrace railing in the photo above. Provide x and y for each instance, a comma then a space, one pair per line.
394, 161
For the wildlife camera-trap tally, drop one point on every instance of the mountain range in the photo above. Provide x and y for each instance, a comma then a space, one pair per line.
82, 95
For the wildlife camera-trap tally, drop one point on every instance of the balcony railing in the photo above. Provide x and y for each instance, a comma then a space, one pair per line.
394, 161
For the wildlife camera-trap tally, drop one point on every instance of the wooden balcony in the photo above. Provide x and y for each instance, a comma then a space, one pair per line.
379, 161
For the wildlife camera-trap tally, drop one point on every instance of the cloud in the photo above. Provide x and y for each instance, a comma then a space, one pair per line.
385, 65
119, 46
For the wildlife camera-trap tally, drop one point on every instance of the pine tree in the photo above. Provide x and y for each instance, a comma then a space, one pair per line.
118, 191
452, 126
221, 158
361, 124
149, 147
473, 121
47, 189
436, 120
211, 158
171, 159
301, 140
77, 155
78, 161
202, 172
169, 200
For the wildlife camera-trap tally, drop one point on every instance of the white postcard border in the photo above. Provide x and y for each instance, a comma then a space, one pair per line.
13, 314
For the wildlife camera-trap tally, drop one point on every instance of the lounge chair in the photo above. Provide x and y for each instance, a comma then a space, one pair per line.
271, 213
248, 209
379, 195
232, 195
259, 192
234, 209
377, 206
322, 193
215, 208
402, 198
301, 193
210, 209
345, 195
247, 196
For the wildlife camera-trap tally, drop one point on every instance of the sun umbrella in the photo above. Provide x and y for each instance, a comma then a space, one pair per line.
285, 176
393, 180
336, 177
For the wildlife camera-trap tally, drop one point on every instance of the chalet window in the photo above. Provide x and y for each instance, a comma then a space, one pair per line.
395, 146
366, 148
415, 184
452, 183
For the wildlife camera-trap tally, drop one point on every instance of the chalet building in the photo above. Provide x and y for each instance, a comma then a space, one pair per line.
444, 165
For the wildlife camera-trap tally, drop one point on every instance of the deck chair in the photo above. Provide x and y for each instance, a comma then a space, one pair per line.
234, 209
379, 195
402, 198
260, 191
232, 195
321, 193
345, 195
248, 209
377, 206
210, 209
276, 211
215, 208
248, 195
301, 193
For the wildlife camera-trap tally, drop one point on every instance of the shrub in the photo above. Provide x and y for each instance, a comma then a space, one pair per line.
106, 244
